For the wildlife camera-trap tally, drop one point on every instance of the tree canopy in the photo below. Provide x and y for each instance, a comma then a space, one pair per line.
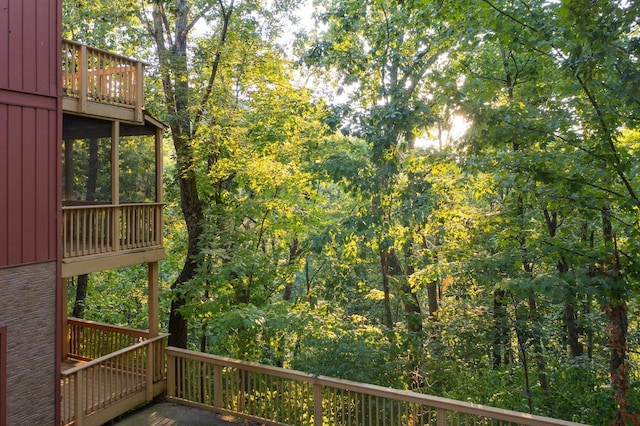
345, 235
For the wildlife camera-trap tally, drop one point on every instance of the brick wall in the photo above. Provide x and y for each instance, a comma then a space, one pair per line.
27, 309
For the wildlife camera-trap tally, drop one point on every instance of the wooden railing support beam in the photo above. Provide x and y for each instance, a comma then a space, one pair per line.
151, 350
217, 386
171, 376
152, 296
317, 404
78, 398
65, 326
442, 417
139, 78
83, 83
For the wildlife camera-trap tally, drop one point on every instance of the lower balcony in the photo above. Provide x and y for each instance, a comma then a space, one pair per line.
276, 396
100, 236
108, 370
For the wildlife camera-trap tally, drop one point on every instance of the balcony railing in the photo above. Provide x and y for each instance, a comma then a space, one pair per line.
115, 382
284, 397
88, 340
104, 388
91, 75
99, 229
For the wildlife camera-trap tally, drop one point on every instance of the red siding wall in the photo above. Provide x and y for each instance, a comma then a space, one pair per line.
29, 46
29, 130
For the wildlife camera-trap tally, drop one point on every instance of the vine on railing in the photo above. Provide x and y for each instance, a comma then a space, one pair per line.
285, 397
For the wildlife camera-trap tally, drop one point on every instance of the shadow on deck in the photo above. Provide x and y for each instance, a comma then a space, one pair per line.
172, 414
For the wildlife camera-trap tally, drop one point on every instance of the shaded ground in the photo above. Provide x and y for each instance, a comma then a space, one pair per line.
171, 414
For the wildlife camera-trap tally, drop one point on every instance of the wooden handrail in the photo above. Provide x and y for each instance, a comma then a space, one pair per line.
327, 396
115, 354
109, 327
106, 52
79, 205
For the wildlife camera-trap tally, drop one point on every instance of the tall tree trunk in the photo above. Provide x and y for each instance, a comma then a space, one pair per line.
432, 298
409, 298
587, 310
501, 345
193, 213
384, 263
175, 75
294, 254
618, 364
537, 344
562, 266
616, 311
570, 320
81, 295
522, 346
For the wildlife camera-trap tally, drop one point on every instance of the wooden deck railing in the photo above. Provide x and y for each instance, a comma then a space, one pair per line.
104, 388
90, 74
283, 397
98, 229
89, 340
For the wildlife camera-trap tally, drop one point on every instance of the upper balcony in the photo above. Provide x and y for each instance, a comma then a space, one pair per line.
101, 84
111, 164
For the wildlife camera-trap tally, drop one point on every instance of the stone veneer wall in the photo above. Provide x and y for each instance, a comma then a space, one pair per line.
28, 309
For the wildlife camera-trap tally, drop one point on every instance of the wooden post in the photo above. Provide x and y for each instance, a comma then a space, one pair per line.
150, 369
217, 386
68, 169
139, 92
442, 417
171, 376
159, 165
78, 398
65, 322
152, 297
159, 198
317, 404
115, 184
83, 83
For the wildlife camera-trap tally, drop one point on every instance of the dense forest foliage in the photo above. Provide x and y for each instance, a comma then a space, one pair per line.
441, 196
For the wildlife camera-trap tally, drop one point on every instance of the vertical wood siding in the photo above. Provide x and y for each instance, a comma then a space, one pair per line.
29, 130
29, 46
28, 184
